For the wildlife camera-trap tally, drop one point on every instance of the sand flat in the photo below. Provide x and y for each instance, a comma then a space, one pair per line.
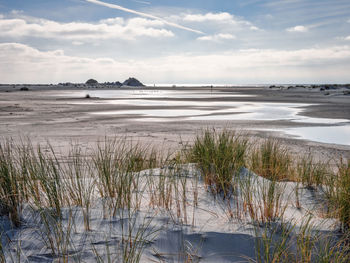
161, 115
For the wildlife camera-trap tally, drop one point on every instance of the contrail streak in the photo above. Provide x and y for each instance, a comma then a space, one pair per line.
118, 7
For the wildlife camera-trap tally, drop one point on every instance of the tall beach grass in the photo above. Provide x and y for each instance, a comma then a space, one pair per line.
55, 185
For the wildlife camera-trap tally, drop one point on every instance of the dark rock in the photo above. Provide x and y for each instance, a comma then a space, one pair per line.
91, 82
24, 89
132, 82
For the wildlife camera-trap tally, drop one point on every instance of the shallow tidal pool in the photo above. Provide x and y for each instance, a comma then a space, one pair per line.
168, 105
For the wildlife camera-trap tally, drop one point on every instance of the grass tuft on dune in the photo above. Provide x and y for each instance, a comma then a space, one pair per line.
112, 203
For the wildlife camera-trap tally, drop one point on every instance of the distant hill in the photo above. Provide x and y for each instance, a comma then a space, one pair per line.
132, 82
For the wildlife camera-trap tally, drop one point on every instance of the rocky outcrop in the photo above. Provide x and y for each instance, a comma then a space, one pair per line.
132, 82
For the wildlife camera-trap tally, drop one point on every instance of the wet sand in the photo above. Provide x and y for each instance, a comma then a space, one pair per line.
43, 114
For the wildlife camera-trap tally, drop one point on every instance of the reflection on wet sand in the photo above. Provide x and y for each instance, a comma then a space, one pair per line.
165, 106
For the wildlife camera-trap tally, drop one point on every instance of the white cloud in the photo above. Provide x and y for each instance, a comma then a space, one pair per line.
116, 28
209, 17
221, 18
347, 38
217, 37
113, 21
301, 29
21, 63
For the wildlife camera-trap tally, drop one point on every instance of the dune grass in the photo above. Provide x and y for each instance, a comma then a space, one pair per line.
273, 243
338, 194
219, 156
50, 185
262, 199
10, 184
287, 243
271, 160
53, 184
310, 173
344, 193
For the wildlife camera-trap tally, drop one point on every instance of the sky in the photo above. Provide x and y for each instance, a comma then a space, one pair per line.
175, 41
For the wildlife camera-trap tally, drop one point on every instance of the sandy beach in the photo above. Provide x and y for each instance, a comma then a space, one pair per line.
108, 203
62, 114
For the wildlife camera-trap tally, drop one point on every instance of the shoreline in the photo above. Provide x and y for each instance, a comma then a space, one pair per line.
42, 114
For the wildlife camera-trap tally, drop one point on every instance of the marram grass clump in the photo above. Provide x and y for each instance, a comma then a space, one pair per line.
219, 156
271, 160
